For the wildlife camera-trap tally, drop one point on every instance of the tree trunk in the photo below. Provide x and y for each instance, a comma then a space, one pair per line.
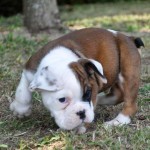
40, 15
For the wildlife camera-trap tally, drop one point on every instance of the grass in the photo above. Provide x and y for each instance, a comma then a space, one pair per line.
10, 23
39, 131
121, 16
128, 23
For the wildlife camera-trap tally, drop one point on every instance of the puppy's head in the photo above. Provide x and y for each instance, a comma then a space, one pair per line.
70, 92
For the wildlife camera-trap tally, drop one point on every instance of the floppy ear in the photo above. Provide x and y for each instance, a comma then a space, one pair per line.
44, 80
92, 66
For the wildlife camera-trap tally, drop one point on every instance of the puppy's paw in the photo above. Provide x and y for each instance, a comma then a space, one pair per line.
120, 120
20, 110
81, 130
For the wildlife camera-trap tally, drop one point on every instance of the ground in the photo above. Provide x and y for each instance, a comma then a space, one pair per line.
39, 131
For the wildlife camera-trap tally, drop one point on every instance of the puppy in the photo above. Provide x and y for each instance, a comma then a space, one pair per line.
70, 71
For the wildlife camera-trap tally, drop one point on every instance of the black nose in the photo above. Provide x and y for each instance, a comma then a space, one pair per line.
81, 114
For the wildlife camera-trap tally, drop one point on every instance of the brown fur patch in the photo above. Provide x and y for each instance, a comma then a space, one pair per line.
86, 81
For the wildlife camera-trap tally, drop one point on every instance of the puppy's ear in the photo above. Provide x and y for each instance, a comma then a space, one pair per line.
92, 66
44, 80
80, 72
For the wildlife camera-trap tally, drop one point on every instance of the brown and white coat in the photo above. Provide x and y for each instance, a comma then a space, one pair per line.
71, 70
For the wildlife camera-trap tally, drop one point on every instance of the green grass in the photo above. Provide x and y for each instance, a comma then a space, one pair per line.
104, 9
10, 23
39, 131
128, 23
121, 16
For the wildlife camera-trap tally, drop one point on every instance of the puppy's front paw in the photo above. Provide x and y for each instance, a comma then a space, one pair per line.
120, 120
20, 110
81, 130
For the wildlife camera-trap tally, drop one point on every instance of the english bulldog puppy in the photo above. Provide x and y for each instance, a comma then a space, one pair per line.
70, 71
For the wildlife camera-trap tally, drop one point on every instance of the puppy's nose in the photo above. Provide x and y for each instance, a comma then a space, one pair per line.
81, 114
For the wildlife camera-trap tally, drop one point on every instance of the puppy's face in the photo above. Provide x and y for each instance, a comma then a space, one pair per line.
69, 95
68, 110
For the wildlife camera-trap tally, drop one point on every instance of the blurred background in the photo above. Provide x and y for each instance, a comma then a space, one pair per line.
124, 15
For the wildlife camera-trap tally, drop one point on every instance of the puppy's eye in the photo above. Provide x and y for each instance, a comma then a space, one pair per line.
62, 100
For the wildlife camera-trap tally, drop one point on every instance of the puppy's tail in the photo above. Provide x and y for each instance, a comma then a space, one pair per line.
138, 43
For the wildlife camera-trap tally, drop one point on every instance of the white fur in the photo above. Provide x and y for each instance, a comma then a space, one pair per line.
113, 31
100, 69
140, 51
22, 104
44, 79
121, 119
29, 75
55, 79
81, 129
68, 119
121, 79
98, 65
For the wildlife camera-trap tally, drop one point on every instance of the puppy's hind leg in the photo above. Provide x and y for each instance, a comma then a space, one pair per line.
115, 96
21, 106
130, 65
